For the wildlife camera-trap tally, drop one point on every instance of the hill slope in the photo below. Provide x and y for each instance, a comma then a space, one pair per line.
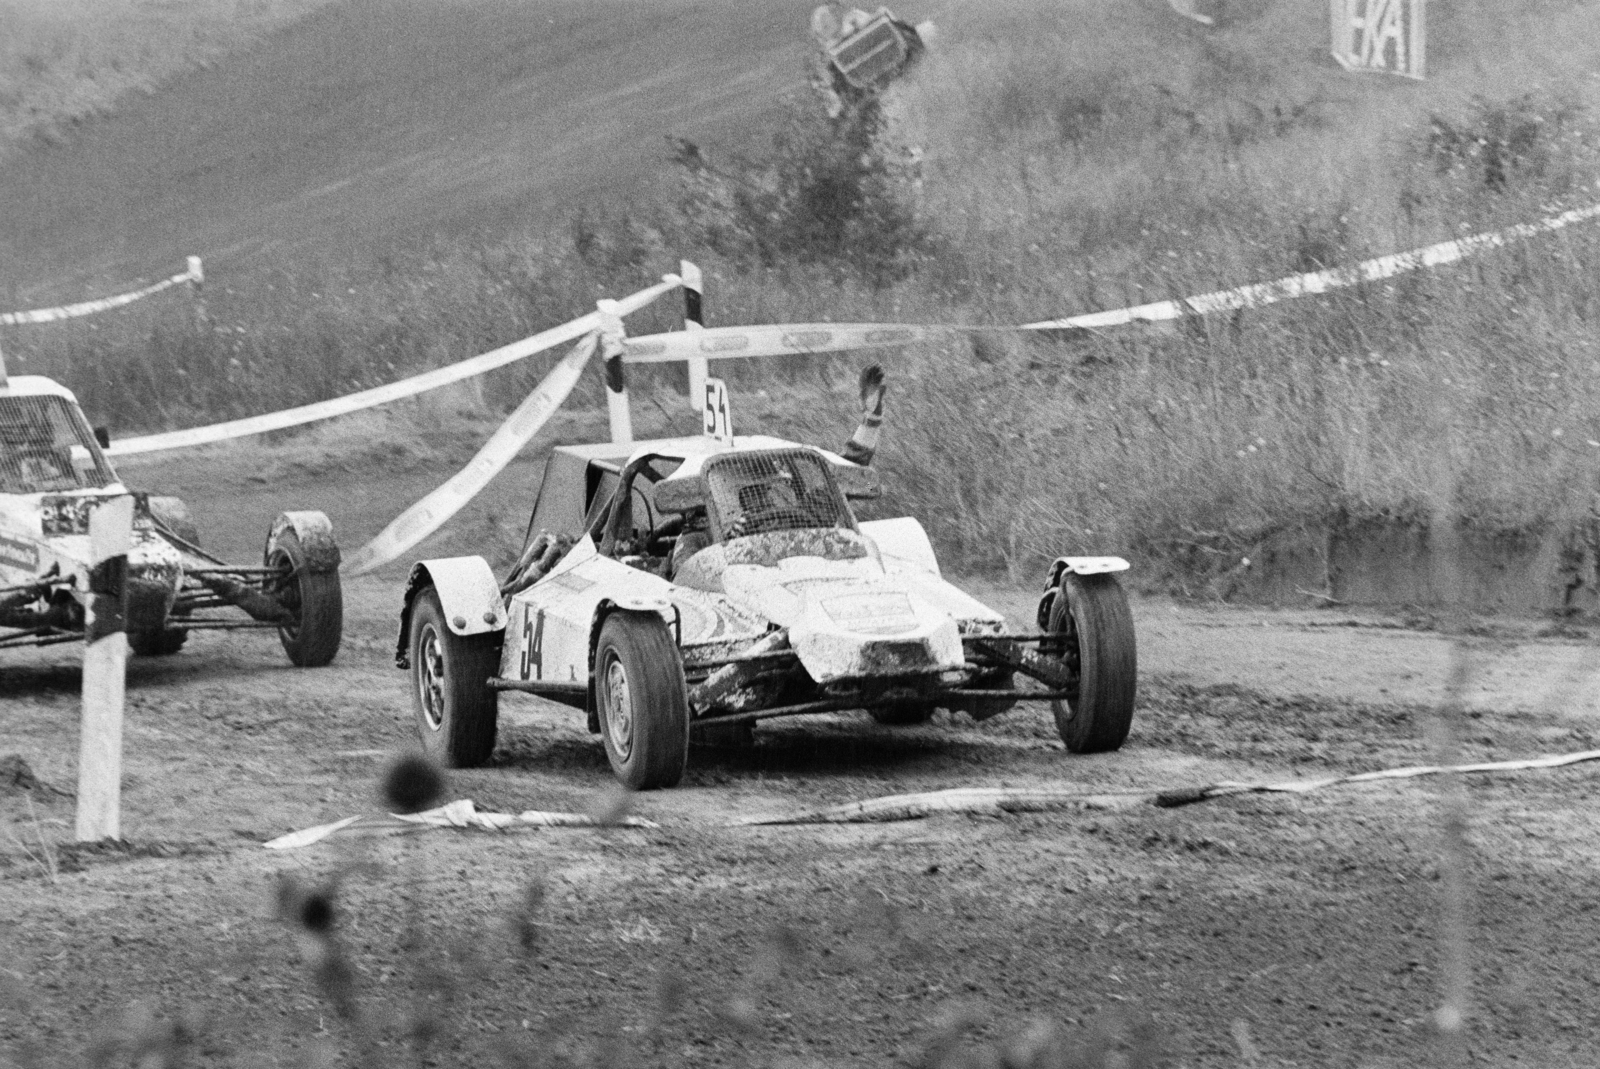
374, 118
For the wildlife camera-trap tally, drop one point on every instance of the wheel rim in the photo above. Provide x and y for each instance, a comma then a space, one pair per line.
430, 677
619, 707
288, 593
1064, 624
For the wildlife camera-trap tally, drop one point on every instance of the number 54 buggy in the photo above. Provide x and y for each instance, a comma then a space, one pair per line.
688, 586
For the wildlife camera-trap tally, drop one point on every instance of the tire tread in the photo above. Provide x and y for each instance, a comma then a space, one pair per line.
1101, 717
471, 719
316, 641
661, 699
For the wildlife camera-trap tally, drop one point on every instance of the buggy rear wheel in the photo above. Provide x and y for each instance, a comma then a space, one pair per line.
163, 643
643, 700
902, 714
735, 736
457, 714
313, 599
1091, 614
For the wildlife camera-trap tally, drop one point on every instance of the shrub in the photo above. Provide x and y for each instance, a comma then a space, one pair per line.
1499, 144
833, 192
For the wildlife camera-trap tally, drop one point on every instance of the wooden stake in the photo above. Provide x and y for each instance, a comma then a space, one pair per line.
105, 661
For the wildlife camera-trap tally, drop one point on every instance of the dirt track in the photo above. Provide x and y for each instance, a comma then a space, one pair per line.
1311, 920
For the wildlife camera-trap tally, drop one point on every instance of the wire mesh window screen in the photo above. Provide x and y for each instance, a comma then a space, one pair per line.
46, 446
753, 493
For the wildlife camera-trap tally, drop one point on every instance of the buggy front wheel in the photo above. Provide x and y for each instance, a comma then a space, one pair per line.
313, 599
1090, 615
457, 714
643, 700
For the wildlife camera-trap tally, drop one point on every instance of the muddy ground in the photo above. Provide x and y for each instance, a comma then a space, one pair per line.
1259, 930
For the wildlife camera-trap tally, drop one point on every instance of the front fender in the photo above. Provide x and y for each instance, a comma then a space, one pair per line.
1078, 566
315, 532
903, 544
468, 593
1086, 566
662, 607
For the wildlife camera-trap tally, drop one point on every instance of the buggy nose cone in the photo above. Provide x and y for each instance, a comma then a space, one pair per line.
874, 635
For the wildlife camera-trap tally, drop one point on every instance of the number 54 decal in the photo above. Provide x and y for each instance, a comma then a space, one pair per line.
533, 644
717, 418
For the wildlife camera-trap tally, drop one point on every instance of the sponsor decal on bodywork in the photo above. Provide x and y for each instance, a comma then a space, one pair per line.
18, 553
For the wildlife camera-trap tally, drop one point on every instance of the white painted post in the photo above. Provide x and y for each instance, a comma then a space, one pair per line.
694, 319
105, 661
197, 282
612, 336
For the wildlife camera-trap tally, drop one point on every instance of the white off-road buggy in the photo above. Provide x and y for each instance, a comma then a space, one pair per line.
53, 472
695, 586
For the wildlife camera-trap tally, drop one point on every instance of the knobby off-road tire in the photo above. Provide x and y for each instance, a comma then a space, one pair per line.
643, 701
172, 514
1091, 614
157, 643
316, 601
457, 714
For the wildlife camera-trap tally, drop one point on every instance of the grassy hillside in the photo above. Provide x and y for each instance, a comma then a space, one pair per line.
66, 61
1046, 159
371, 122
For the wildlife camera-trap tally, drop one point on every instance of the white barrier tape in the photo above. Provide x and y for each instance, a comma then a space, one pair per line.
795, 338
394, 391
427, 515
998, 800
458, 814
800, 338
1263, 293
72, 311
723, 343
1222, 790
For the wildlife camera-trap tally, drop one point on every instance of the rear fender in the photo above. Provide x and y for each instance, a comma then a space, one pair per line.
1077, 566
468, 593
315, 532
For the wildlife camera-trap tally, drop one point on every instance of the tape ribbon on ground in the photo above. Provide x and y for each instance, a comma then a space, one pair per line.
995, 800
983, 800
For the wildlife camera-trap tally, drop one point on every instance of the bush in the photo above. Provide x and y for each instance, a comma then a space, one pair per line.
1506, 143
830, 191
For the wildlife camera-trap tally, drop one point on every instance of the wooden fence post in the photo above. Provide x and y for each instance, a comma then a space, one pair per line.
694, 319
105, 661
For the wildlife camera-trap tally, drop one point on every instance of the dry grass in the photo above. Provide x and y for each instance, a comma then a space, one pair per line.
65, 61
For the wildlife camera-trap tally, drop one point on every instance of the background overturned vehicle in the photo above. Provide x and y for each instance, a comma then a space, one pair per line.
692, 585
53, 473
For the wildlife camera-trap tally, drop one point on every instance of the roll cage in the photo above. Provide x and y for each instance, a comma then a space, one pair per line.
46, 446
